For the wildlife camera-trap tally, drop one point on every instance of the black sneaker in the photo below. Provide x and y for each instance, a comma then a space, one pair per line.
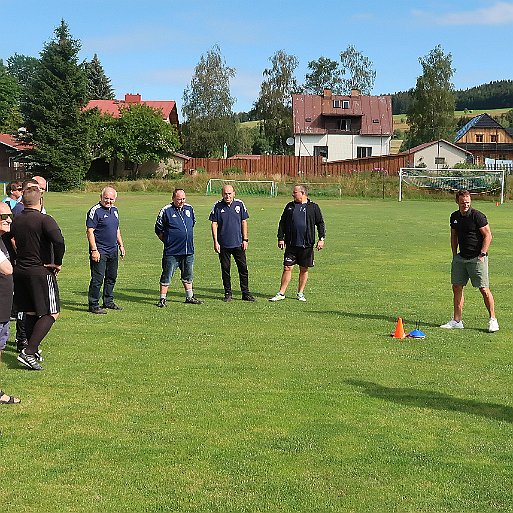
97, 310
193, 301
227, 298
30, 360
21, 344
162, 303
113, 306
248, 297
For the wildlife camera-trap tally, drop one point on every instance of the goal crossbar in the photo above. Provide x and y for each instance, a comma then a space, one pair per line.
267, 187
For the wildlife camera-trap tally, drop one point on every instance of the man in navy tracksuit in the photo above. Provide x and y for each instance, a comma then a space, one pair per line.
174, 227
296, 233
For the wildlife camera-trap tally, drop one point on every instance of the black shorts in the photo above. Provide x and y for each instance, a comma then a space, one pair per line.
36, 293
304, 257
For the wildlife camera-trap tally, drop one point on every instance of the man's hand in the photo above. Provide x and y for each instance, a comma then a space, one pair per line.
95, 255
217, 247
244, 245
122, 251
54, 268
320, 245
281, 244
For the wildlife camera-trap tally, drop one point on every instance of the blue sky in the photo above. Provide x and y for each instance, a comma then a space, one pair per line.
152, 47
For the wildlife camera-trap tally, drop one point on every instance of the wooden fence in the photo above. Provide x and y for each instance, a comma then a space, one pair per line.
275, 166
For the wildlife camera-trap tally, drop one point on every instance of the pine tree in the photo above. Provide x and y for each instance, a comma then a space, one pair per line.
9, 101
98, 84
52, 112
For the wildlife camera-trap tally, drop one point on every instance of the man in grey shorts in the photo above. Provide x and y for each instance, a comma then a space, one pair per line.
470, 232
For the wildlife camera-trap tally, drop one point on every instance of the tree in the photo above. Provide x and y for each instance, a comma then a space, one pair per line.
324, 74
9, 101
98, 84
359, 67
53, 116
139, 135
209, 122
274, 104
23, 68
431, 113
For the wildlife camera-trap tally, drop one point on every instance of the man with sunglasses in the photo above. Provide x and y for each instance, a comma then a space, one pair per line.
14, 190
104, 237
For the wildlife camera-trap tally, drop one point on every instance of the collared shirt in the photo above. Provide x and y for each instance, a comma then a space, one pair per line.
105, 222
229, 222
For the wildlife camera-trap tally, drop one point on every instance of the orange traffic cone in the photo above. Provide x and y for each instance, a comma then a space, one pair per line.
399, 329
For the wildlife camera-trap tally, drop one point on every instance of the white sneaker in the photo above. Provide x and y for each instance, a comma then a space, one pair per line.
300, 296
493, 325
278, 297
453, 324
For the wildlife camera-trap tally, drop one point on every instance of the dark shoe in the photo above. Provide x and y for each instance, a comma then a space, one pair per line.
97, 310
30, 360
8, 399
113, 306
227, 298
248, 297
162, 303
193, 301
21, 345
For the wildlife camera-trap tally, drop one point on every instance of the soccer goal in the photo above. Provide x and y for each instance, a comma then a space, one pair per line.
243, 187
477, 181
317, 189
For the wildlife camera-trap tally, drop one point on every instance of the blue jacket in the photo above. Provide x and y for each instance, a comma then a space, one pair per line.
175, 228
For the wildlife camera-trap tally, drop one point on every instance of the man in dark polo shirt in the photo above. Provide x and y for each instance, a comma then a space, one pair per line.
230, 234
39, 248
296, 233
104, 237
470, 232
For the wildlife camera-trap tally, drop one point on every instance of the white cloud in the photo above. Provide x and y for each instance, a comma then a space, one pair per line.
500, 13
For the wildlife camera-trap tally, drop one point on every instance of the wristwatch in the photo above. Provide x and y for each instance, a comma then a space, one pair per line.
483, 254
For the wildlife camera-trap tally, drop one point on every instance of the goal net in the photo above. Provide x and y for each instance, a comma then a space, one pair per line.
317, 189
477, 181
243, 187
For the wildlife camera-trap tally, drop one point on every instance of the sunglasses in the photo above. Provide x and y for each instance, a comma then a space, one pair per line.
4, 217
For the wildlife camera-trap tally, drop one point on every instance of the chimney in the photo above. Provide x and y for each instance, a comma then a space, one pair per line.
327, 93
355, 92
132, 98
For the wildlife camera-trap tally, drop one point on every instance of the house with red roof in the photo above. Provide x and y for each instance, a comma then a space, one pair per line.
440, 154
340, 127
11, 158
169, 113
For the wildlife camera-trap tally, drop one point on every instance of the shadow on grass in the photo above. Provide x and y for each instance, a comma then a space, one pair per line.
434, 400
382, 317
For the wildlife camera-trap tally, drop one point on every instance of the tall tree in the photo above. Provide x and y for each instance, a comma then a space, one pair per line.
360, 71
52, 112
324, 74
98, 84
274, 104
431, 113
9, 101
209, 121
23, 68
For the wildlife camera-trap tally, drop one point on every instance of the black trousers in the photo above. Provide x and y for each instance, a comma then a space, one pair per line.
239, 255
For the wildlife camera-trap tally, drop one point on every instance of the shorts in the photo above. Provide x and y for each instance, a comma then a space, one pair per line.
304, 257
4, 334
464, 268
171, 263
36, 293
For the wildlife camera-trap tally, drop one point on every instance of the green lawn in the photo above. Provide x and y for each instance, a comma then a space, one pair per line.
285, 407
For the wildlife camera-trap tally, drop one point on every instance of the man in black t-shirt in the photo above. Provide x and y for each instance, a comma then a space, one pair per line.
470, 232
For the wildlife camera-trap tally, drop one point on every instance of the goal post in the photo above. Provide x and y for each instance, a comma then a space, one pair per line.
477, 181
243, 187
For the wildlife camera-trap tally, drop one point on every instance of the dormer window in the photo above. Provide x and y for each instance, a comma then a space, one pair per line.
336, 104
345, 104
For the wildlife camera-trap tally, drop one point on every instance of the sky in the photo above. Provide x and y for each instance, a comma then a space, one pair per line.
152, 47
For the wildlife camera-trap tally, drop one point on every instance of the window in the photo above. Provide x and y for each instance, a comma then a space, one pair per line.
321, 151
439, 161
345, 104
336, 104
493, 138
363, 151
345, 124
479, 137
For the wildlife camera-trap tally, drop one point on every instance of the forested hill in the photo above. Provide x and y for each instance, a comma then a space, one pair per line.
494, 95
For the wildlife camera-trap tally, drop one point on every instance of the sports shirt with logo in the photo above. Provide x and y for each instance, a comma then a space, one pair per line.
470, 238
229, 222
105, 222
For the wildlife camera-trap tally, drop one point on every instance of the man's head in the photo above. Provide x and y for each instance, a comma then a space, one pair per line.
108, 197
228, 194
5, 218
300, 194
32, 197
178, 198
41, 182
14, 190
463, 200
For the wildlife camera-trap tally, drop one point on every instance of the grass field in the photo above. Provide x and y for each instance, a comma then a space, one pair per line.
286, 407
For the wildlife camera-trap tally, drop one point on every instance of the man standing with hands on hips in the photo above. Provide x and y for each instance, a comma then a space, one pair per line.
104, 237
470, 232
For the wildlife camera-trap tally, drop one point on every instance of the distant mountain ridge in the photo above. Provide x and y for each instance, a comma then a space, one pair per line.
497, 94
